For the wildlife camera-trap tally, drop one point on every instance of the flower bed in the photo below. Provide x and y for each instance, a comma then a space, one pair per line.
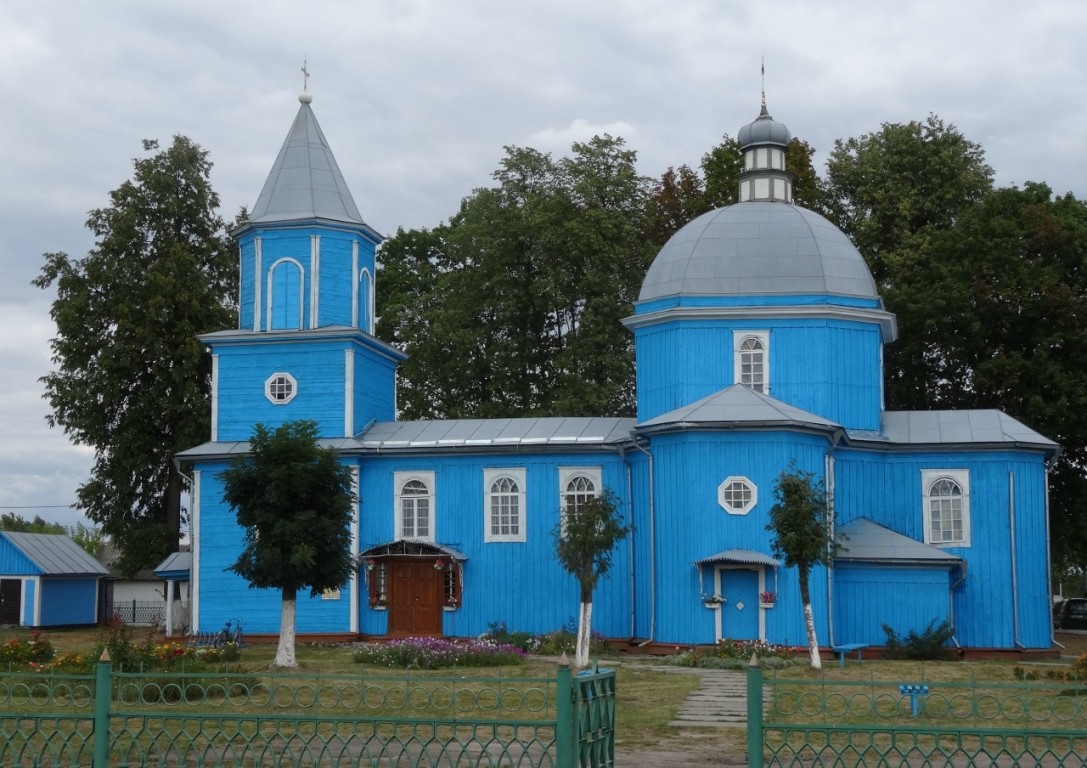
435, 653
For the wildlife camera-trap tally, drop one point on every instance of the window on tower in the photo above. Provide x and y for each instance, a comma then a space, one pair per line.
752, 364
280, 388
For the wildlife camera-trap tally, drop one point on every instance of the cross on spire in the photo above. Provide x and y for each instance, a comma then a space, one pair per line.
763, 68
305, 77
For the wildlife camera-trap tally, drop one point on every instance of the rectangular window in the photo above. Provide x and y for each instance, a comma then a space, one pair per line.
946, 494
504, 504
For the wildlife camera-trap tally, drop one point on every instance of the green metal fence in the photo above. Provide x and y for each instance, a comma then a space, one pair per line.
847, 723
226, 720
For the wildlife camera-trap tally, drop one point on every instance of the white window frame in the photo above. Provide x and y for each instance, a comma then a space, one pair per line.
400, 479
723, 495
738, 338
270, 309
568, 474
272, 379
929, 478
490, 477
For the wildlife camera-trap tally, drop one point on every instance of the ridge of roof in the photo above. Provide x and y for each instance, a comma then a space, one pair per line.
738, 404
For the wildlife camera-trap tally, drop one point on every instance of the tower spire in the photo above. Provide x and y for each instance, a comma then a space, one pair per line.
763, 72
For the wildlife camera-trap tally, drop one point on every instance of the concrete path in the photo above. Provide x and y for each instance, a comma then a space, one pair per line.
719, 702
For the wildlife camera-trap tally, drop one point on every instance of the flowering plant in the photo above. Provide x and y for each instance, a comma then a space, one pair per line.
439, 565
768, 597
370, 564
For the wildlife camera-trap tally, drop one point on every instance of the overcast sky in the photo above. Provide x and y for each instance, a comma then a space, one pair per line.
417, 100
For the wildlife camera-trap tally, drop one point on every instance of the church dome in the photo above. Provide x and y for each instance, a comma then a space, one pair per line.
764, 130
758, 248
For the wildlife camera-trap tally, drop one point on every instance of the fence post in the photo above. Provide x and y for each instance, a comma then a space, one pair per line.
103, 693
754, 714
564, 715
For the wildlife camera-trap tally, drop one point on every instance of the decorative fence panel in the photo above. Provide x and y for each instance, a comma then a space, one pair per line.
225, 720
137, 613
849, 723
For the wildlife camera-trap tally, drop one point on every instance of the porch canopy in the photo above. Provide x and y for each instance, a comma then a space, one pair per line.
740, 556
412, 548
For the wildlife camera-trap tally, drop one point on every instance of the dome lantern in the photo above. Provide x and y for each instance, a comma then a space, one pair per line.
764, 177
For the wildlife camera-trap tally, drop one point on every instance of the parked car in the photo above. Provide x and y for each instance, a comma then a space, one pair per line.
1071, 613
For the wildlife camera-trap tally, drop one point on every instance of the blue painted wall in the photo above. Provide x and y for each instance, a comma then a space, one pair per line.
827, 367
13, 562
868, 596
68, 601
30, 595
334, 278
691, 525
887, 488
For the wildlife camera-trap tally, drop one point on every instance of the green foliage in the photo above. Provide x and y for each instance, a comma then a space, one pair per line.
524, 288
294, 500
800, 522
586, 539
559, 641
929, 644
26, 652
733, 654
436, 653
131, 379
10, 521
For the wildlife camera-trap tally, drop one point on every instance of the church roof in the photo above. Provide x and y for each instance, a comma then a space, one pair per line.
866, 541
760, 249
948, 428
468, 433
305, 182
738, 406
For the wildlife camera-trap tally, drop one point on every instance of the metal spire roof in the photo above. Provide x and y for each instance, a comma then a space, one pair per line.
738, 406
305, 182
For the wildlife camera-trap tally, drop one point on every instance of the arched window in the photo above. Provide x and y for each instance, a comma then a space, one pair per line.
414, 505
947, 507
751, 365
579, 489
285, 296
504, 504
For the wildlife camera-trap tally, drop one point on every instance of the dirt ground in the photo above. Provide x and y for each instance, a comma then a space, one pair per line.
691, 747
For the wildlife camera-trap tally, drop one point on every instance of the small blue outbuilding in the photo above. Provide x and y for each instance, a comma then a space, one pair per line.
47, 580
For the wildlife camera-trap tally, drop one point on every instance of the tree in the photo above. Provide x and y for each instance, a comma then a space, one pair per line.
132, 381
294, 499
801, 524
524, 288
584, 541
884, 187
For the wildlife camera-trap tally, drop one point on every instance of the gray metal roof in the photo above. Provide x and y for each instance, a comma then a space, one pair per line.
56, 554
864, 540
174, 562
758, 249
738, 406
746, 556
954, 428
467, 433
305, 181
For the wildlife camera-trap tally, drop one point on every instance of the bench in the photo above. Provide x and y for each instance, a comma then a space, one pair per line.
845, 648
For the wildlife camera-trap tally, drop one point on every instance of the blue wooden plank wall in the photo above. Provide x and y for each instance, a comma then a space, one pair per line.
30, 595
691, 525
887, 488
13, 562
868, 596
68, 601
830, 368
318, 368
375, 388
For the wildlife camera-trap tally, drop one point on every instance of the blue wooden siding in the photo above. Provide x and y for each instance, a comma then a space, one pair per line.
519, 583
887, 488
830, 368
318, 368
375, 388
13, 562
336, 283
285, 297
691, 525
68, 601
868, 596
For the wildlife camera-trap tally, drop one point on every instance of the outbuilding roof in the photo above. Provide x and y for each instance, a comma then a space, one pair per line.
55, 554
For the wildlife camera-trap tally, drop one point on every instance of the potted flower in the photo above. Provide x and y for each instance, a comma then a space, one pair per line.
712, 601
767, 599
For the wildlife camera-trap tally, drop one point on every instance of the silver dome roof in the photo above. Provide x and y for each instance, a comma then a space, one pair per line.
764, 130
758, 249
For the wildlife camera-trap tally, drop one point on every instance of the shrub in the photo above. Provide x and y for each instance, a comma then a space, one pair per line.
435, 653
498, 633
929, 645
734, 654
19, 652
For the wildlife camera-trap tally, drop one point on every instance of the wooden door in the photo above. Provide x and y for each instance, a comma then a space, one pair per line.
415, 589
11, 592
740, 611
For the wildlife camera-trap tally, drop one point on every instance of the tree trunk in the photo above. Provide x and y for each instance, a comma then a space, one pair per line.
285, 651
809, 622
584, 634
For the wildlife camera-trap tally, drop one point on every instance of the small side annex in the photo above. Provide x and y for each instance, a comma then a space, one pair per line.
47, 580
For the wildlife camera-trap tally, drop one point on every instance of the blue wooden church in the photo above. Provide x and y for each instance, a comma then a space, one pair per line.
759, 337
